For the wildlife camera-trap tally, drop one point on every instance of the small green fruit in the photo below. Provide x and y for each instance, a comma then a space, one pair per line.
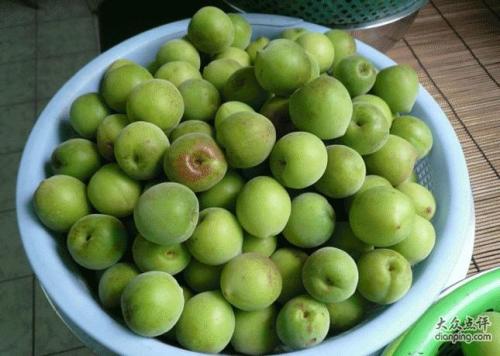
250, 282
302, 322
152, 303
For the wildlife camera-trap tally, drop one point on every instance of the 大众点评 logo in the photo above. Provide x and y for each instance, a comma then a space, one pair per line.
467, 329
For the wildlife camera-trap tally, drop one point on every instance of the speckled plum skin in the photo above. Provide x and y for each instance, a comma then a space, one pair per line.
196, 161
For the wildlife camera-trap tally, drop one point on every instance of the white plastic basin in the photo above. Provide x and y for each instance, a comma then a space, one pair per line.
444, 171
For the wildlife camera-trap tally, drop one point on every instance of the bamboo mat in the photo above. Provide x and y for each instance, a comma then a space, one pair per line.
455, 46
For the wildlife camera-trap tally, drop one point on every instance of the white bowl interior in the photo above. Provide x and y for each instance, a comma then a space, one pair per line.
444, 171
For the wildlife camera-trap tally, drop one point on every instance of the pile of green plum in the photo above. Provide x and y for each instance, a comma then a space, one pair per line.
254, 194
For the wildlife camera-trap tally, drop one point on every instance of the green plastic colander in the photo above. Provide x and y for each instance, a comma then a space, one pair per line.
347, 14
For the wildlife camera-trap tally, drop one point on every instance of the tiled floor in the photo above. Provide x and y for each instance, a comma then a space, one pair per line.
39, 50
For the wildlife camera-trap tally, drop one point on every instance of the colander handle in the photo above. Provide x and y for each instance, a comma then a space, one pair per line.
478, 295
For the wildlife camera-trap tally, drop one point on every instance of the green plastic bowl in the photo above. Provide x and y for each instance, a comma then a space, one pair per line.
471, 297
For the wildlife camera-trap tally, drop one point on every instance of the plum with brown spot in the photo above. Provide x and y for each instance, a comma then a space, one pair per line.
196, 161
303, 322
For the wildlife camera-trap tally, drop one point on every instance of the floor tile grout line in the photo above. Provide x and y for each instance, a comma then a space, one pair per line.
62, 351
72, 53
465, 44
33, 315
95, 22
452, 109
23, 24
8, 210
13, 279
53, 56
11, 152
16, 103
486, 5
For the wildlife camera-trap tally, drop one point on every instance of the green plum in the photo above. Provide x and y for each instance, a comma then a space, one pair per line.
263, 207
323, 107
394, 161
348, 313
398, 86
139, 150
248, 138
345, 172
59, 201
319, 47
256, 46
413, 178
357, 74
117, 84
236, 54
187, 293
371, 181
242, 31
196, 161
149, 256
217, 239
210, 30
250, 282
97, 241
224, 193
201, 277
382, 216
293, 33
485, 348
377, 102
112, 283
344, 239
119, 63
229, 108
302, 322
177, 72
166, 213
276, 110
255, 331
86, 113
201, 99
170, 335
384, 276
282, 67
206, 324
330, 275
368, 130
76, 157
344, 44
112, 192
315, 70
289, 262
265, 246
298, 160
415, 131
178, 50
311, 222
243, 86
422, 198
157, 101
152, 303
108, 132
219, 71
419, 244
191, 126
